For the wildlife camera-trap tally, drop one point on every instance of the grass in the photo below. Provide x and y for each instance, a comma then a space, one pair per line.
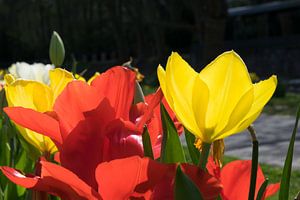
274, 175
283, 105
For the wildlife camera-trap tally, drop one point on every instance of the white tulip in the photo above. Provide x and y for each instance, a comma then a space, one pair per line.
36, 71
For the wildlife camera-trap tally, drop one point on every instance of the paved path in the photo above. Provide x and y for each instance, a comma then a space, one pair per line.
273, 133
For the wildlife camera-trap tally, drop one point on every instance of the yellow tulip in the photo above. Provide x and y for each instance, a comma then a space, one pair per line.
219, 101
37, 96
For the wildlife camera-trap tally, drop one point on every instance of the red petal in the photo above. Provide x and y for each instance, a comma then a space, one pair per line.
82, 151
70, 182
118, 85
272, 189
77, 97
36, 121
55, 185
148, 113
133, 176
209, 186
235, 177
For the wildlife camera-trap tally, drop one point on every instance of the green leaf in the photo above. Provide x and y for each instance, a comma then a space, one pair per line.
262, 190
147, 144
10, 191
286, 173
171, 150
56, 50
185, 188
193, 151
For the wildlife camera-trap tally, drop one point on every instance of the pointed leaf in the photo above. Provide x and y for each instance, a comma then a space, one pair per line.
171, 150
194, 152
286, 173
185, 188
147, 144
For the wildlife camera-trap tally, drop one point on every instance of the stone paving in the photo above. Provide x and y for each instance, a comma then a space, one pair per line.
273, 133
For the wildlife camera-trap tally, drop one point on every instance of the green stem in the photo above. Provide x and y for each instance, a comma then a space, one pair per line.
204, 155
254, 166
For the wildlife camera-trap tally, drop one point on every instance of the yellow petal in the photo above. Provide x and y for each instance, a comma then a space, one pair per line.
9, 79
93, 77
263, 91
199, 103
228, 80
37, 96
59, 78
161, 74
40, 142
180, 79
239, 112
29, 94
80, 78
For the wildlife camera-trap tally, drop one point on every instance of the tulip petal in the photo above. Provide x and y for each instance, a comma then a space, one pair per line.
59, 78
35, 121
180, 78
67, 181
28, 94
238, 113
227, 79
69, 188
209, 186
161, 74
272, 189
142, 174
235, 177
200, 102
78, 97
263, 91
148, 113
117, 85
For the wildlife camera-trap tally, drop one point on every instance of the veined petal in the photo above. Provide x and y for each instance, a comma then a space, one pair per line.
142, 174
78, 97
227, 79
54, 180
29, 94
238, 113
39, 141
117, 85
263, 92
59, 78
35, 121
200, 102
161, 74
180, 78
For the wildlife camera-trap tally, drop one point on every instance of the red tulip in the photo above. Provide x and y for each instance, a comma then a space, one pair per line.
92, 124
119, 179
235, 178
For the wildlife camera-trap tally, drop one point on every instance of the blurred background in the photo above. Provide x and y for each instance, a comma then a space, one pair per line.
101, 33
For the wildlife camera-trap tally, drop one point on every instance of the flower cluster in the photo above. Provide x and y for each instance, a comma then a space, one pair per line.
96, 141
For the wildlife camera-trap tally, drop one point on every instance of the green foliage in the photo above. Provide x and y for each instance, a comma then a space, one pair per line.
185, 188
171, 150
147, 144
286, 173
193, 151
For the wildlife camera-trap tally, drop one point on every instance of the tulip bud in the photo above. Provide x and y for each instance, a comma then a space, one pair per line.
138, 95
56, 50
